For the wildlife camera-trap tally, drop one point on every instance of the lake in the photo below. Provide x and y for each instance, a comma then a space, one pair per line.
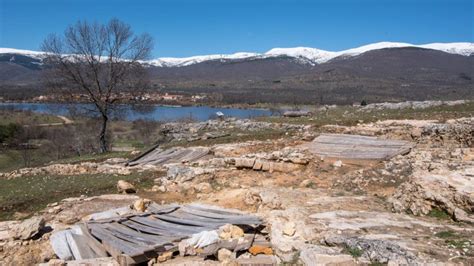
135, 112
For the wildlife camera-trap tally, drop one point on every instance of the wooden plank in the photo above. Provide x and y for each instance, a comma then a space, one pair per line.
357, 147
157, 239
191, 214
60, 244
80, 249
242, 218
171, 155
172, 227
214, 209
137, 239
158, 209
115, 245
203, 221
134, 161
183, 221
93, 243
153, 230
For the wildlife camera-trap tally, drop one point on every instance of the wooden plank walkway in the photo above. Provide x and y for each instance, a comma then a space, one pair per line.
137, 238
157, 156
357, 147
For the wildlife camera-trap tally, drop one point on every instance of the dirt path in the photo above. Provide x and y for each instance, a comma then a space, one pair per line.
66, 121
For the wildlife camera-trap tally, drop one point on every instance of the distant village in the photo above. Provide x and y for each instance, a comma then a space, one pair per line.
126, 97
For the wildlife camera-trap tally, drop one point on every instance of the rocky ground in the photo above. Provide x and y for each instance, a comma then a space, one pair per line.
416, 208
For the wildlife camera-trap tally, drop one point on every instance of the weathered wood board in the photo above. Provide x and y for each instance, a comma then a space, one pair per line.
158, 156
136, 238
357, 147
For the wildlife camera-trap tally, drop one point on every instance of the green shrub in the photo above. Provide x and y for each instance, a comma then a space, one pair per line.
354, 251
7, 132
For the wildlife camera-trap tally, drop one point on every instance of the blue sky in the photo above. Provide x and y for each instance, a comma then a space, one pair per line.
186, 28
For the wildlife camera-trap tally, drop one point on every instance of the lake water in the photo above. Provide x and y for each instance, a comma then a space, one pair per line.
135, 112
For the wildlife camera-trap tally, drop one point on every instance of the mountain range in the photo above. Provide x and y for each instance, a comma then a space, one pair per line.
384, 71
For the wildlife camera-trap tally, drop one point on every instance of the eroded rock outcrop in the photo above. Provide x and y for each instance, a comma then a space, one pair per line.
373, 250
453, 193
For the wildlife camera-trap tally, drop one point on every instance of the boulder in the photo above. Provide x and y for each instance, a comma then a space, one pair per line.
337, 164
225, 255
165, 256
28, 228
141, 205
289, 229
229, 231
244, 162
450, 192
125, 187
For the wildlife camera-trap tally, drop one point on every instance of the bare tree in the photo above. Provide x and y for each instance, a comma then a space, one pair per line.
100, 61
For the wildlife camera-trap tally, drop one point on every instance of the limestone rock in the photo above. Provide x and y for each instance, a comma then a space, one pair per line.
325, 259
203, 187
306, 183
258, 260
450, 192
141, 205
28, 228
165, 256
257, 249
337, 164
244, 162
270, 199
186, 249
229, 231
181, 173
381, 251
125, 187
289, 229
225, 255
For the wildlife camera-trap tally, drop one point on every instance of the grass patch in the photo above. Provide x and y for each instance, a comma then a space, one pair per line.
454, 240
377, 264
439, 214
27, 118
446, 234
354, 252
350, 116
311, 185
10, 160
128, 143
32, 193
458, 243
294, 259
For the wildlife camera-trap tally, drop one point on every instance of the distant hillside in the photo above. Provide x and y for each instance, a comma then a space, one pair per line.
387, 74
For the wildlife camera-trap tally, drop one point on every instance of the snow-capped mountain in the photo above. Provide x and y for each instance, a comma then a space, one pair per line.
307, 55
34, 54
186, 61
313, 55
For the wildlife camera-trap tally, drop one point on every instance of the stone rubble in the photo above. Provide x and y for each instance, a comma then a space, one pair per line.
216, 128
375, 251
410, 104
107, 167
317, 211
125, 187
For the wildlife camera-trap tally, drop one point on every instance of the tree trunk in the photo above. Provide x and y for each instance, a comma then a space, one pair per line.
103, 135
